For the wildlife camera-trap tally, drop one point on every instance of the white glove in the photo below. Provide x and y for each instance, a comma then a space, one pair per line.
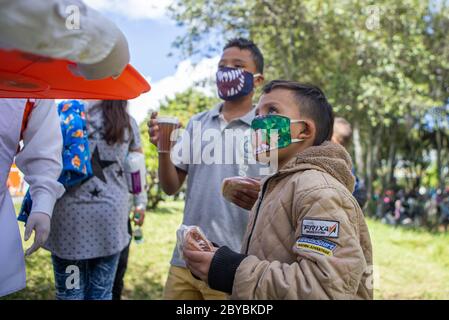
40, 223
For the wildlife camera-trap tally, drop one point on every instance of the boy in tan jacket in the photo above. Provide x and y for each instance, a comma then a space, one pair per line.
306, 237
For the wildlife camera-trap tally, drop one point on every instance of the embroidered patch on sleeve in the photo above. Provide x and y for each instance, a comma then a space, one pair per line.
324, 247
320, 228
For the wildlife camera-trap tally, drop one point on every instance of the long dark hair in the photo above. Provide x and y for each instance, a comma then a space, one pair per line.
116, 120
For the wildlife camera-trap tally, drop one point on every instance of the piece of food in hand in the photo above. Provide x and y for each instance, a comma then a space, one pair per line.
197, 241
232, 185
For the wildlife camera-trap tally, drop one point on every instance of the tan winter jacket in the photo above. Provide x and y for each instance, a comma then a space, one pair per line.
306, 238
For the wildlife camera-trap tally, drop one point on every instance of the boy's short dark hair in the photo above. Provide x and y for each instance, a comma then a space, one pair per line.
313, 105
245, 44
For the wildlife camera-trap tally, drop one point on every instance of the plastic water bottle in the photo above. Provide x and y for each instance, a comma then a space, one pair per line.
138, 232
138, 235
135, 172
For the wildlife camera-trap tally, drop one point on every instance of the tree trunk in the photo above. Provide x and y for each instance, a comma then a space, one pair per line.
391, 163
439, 160
369, 165
373, 163
358, 151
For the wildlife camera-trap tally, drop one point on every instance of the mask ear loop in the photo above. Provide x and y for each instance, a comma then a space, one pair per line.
296, 139
256, 75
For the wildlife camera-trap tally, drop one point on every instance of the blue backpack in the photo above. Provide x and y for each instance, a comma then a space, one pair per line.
76, 156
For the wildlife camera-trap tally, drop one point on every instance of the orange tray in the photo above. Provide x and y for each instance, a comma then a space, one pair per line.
24, 75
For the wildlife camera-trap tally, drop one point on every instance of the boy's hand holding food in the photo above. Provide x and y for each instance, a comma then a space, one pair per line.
199, 262
198, 253
242, 191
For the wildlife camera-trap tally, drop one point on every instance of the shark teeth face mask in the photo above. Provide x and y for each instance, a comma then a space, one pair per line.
271, 132
233, 83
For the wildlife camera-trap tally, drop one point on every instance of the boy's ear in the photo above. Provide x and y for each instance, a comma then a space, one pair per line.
259, 80
307, 130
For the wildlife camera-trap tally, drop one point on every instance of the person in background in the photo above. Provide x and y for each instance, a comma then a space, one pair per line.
36, 125
137, 205
343, 136
240, 70
89, 229
100, 50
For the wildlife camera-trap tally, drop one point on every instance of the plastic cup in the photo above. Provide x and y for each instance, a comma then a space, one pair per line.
166, 126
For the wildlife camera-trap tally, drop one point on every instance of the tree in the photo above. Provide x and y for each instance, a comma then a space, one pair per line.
378, 63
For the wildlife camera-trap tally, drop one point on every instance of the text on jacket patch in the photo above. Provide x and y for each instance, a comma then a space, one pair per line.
320, 228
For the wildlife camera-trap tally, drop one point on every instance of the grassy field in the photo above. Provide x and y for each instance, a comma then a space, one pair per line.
408, 264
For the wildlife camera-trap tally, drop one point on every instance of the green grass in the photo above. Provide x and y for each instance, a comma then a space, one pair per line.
147, 267
409, 264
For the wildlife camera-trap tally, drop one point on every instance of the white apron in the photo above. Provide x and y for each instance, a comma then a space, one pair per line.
12, 262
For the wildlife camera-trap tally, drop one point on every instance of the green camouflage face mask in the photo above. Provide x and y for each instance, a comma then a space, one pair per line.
274, 127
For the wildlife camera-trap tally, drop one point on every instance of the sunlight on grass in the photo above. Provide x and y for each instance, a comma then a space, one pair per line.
148, 262
409, 264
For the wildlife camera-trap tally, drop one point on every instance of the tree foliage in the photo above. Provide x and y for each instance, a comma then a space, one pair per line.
382, 64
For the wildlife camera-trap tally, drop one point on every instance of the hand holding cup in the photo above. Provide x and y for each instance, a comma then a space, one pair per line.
160, 131
153, 128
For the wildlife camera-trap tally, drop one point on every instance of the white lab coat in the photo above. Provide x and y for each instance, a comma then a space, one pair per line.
40, 161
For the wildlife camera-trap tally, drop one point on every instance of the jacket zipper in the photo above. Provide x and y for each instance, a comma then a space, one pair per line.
264, 188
